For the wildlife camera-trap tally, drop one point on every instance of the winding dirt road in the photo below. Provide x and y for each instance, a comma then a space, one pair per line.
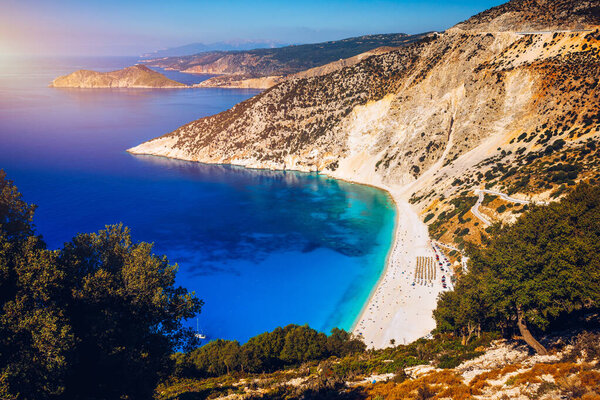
503, 196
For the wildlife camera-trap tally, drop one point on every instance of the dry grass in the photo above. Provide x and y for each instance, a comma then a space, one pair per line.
570, 381
557, 371
437, 385
481, 381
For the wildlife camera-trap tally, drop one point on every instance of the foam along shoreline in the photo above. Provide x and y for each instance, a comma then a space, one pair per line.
396, 310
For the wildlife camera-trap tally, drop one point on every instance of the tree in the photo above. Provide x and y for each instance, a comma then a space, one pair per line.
266, 352
97, 319
216, 358
16, 216
303, 344
341, 343
465, 310
35, 336
262, 352
532, 272
125, 312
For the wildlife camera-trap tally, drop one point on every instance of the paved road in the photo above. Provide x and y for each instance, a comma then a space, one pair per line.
475, 209
463, 259
483, 218
504, 196
444, 265
553, 32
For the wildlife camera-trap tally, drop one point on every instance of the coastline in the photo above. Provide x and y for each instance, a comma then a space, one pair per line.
387, 262
395, 309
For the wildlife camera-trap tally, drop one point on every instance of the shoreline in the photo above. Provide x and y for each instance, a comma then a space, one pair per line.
387, 260
395, 309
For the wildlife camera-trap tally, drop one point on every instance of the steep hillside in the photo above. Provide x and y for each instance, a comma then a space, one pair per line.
342, 63
483, 106
137, 76
536, 15
278, 62
246, 81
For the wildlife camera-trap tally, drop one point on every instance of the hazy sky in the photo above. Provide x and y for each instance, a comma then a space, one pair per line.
131, 27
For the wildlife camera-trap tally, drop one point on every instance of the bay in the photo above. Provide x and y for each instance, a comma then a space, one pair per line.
261, 248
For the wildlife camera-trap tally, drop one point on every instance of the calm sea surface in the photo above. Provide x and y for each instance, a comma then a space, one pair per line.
261, 248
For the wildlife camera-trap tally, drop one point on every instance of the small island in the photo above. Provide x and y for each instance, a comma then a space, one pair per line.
137, 76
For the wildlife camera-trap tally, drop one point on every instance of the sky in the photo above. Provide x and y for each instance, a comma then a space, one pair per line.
133, 27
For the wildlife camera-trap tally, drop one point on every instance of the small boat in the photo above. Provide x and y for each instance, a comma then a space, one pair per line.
198, 334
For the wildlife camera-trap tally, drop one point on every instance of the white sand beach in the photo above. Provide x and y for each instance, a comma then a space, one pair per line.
398, 310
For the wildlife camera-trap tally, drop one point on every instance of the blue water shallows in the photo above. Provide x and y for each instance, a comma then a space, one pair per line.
261, 248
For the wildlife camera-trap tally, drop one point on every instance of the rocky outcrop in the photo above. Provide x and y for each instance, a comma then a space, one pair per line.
434, 119
137, 76
501, 370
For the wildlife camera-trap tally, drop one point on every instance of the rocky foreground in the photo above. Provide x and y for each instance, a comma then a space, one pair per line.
137, 76
500, 370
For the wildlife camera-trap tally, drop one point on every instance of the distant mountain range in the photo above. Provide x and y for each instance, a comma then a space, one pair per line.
195, 48
244, 68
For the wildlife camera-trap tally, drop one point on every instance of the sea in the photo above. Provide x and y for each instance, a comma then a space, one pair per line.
261, 248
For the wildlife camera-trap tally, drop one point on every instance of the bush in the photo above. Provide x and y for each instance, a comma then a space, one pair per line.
586, 345
463, 232
269, 351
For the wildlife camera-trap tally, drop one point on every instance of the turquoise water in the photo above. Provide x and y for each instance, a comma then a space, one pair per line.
261, 248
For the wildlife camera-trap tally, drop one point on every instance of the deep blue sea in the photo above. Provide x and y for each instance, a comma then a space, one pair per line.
261, 248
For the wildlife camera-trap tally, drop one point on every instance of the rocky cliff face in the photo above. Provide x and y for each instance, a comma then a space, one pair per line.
137, 76
465, 108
